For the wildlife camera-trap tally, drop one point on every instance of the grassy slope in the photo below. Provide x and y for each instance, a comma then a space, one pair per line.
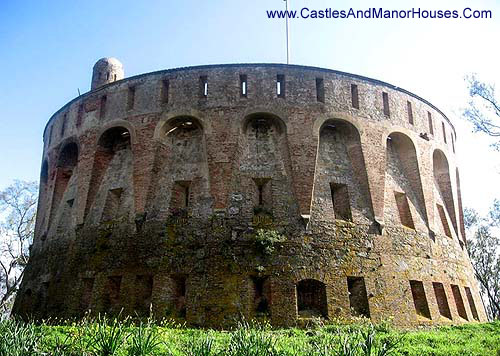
465, 340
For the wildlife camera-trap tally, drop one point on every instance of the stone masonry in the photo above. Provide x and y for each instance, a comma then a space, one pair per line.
282, 192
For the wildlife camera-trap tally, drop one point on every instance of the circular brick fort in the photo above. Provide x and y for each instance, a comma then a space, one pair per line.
212, 193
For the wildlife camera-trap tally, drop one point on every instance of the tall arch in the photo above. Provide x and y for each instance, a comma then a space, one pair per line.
111, 185
181, 182
404, 196
442, 183
66, 164
341, 184
460, 207
263, 167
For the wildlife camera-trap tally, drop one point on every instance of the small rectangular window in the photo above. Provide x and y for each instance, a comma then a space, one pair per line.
204, 86
404, 210
410, 112
131, 98
385, 99
179, 293
280, 85
358, 299
165, 86
180, 198
63, 125
341, 202
459, 302
102, 107
243, 85
419, 299
354, 96
444, 132
431, 126
442, 301
320, 90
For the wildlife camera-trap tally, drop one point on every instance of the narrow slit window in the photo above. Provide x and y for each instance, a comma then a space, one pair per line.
340, 201
165, 86
404, 210
410, 112
452, 143
63, 125
131, 98
263, 191
320, 90
102, 108
262, 296
358, 299
204, 86
385, 99
471, 303
79, 116
280, 85
50, 135
442, 301
179, 295
431, 125
444, 220
419, 299
459, 302
243, 85
444, 132
354, 96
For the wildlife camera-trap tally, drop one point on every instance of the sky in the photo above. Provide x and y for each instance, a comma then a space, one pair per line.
48, 48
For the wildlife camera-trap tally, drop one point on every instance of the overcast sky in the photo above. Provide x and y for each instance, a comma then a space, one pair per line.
48, 48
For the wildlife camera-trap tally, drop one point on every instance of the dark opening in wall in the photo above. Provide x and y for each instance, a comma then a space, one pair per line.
320, 90
460, 207
264, 193
452, 142
243, 85
143, 293
311, 299
50, 134
87, 290
459, 301
112, 205
165, 87
102, 106
419, 299
63, 125
444, 221
280, 85
410, 112
385, 99
180, 198
354, 96
112, 293
179, 295
404, 210
431, 125
131, 98
44, 174
203, 86
340, 201
442, 301
444, 132
262, 295
70, 202
471, 303
79, 116
358, 299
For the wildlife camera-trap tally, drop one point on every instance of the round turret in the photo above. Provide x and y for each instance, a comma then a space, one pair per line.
106, 70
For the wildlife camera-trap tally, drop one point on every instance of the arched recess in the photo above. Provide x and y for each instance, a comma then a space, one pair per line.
341, 184
311, 299
180, 171
404, 196
263, 168
442, 185
460, 207
111, 190
65, 174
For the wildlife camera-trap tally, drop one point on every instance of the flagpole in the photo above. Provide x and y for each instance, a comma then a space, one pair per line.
287, 34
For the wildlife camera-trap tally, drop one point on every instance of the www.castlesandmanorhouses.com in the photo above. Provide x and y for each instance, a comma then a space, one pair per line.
379, 13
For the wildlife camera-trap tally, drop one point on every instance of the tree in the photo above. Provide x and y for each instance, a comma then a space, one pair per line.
17, 226
484, 251
483, 110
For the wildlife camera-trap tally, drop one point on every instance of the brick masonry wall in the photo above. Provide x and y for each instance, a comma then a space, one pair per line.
169, 215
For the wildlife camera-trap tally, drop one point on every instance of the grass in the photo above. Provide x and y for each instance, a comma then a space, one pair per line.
110, 337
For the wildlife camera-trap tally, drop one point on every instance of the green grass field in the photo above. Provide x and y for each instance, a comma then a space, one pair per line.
103, 337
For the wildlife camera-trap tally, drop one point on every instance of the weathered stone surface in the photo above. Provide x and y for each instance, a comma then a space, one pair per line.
212, 207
